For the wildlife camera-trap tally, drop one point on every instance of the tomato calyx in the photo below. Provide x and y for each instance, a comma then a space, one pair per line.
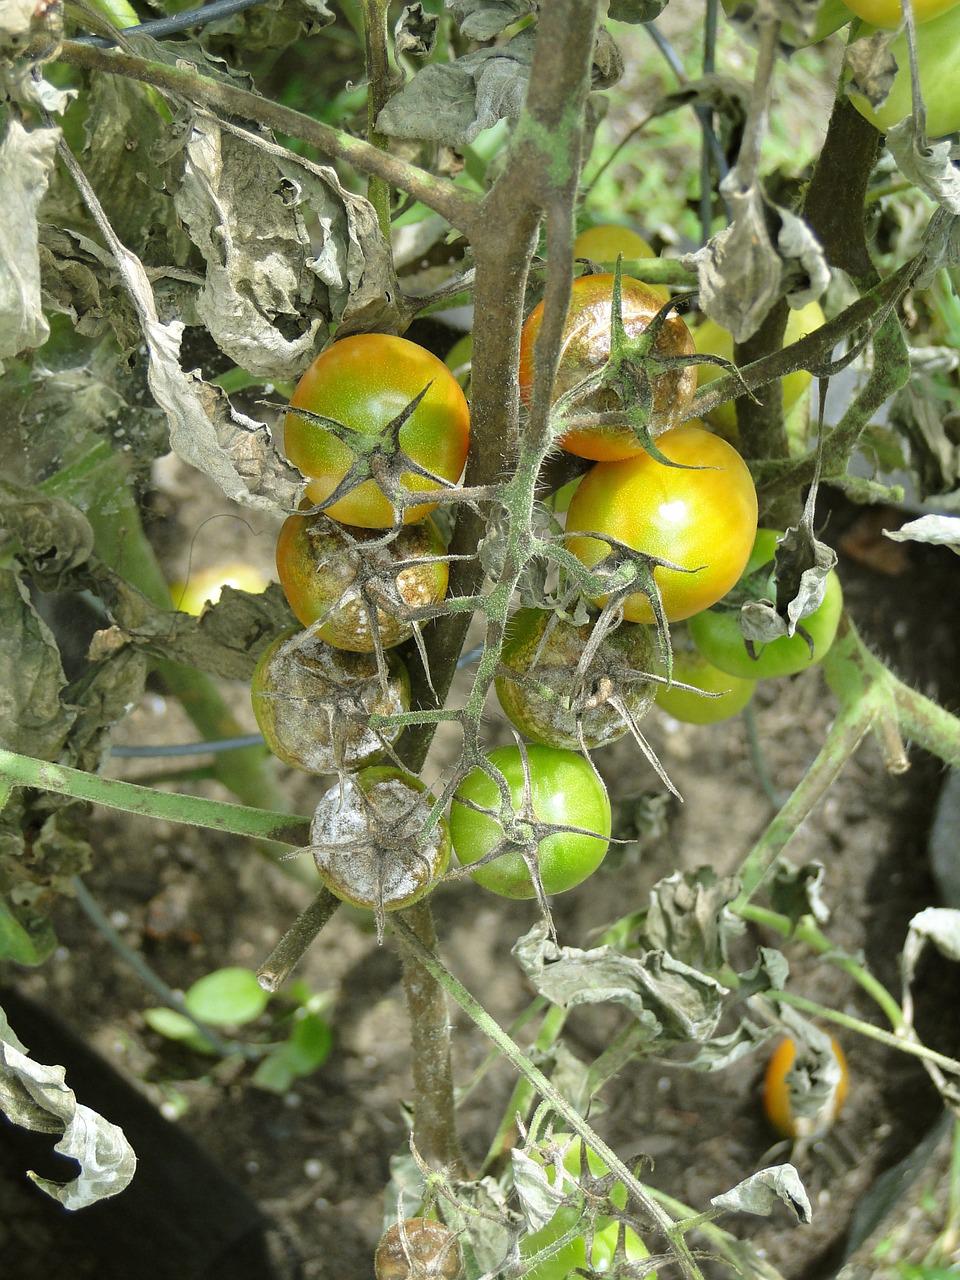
378, 456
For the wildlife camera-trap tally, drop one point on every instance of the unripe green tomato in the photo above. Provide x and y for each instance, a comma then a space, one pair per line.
364, 383
690, 667
313, 703
552, 663
717, 635
888, 13
712, 340
938, 55
459, 360
319, 563
564, 790
367, 846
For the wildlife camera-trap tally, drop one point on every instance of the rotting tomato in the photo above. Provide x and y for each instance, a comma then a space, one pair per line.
422, 1248
324, 567
585, 350
780, 1100
367, 839
704, 521
608, 241
713, 340
313, 703
717, 634
564, 790
542, 695
938, 56
690, 667
365, 383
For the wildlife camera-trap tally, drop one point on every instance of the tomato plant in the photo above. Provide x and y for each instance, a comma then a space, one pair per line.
690, 667
711, 339
313, 703
564, 791
938, 57
586, 349
365, 383
325, 570
367, 839
779, 1099
703, 521
717, 635
607, 241
544, 696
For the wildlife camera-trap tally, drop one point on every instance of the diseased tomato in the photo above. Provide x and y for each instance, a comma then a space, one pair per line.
717, 635
367, 839
781, 1096
545, 694
564, 790
938, 55
323, 568
313, 703
365, 382
888, 13
712, 340
701, 520
586, 349
606, 242
689, 667
424, 1248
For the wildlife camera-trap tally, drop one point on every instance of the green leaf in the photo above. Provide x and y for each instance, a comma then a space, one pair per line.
20, 945
174, 1026
227, 997
310, 1043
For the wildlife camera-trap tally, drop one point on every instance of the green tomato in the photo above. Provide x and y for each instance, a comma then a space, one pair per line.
717, 635
692, 668
938, 54
564, 790
712, 340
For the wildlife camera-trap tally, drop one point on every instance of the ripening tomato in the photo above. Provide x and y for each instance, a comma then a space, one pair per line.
367, 839
313, 703
321, 566
780, 1107
364, 383
539, 649
888, 13
712, 340
585, 350
564, 789
689, 667
605, 243
938, 55
700, 520
717, 634
204, 586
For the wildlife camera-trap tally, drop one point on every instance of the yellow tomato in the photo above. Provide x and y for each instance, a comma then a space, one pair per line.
203, 587
603, 244
714, 341
887, 13
778, 1104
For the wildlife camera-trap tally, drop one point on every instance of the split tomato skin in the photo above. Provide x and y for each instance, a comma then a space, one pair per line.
704, 521
364, 382
585, 350
565, 790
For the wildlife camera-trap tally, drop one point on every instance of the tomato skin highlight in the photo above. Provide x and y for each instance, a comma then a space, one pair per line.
317, 565
204, 586
716, 632
701, 520
605, 242
938, 55
693, 668
585, 349
565, 790
548, 721
364, 382
776, 1093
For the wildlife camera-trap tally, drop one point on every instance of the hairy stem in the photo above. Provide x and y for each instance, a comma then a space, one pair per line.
378, 90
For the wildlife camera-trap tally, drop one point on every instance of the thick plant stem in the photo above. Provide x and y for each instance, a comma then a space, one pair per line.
378, 90
434, 1125
512, 1052
289, 951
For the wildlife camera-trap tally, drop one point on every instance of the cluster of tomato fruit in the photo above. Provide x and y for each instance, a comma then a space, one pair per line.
380, 419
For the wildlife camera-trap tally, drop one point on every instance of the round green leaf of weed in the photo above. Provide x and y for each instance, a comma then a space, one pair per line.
227, 997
